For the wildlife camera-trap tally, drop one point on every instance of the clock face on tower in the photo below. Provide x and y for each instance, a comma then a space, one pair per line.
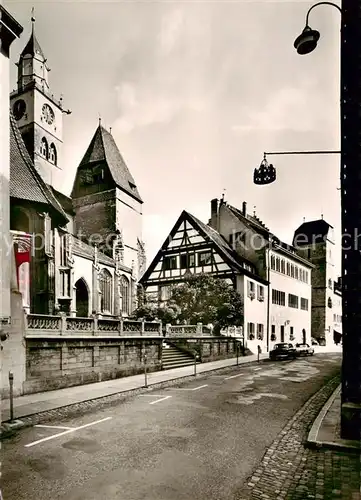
47, 114
19, 109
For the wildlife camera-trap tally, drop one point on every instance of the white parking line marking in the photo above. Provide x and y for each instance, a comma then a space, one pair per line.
194, 389
150, 395
256, 369
66, 432
234, 376
54, 427
159, 400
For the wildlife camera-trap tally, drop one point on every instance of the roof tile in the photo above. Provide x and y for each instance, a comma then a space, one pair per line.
25, 182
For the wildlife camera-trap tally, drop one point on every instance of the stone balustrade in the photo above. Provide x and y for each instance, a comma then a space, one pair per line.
185, 331
40, 324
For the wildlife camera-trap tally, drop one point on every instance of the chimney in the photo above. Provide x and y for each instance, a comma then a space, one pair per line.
244, 209
214, 207
214, 214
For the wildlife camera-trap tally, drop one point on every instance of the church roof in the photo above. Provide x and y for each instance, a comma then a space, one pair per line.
32, 47
315, 231
25, 182
64, 201
83, 249
103, 148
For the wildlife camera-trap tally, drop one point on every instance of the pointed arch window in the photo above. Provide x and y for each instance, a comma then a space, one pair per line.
53, 158
44, 148
106, 289
124, 291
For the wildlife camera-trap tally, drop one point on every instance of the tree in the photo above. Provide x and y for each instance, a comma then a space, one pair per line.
206, 299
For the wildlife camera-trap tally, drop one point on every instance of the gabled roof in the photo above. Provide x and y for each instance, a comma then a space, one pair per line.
220, 242
315, 231
103, 148
249, 220
25, 182
32, 48
222, 246
257, 225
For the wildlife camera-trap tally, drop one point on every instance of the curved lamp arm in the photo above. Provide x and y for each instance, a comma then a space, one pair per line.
322, 3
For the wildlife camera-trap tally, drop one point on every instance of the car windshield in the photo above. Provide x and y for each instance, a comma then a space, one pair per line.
281, 346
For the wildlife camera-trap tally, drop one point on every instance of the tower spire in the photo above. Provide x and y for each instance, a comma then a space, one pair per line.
32, 19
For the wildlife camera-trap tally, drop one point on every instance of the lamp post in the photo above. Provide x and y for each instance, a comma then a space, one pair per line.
350, 204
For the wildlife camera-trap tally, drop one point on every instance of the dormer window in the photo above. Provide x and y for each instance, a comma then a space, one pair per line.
98, 175
86, 177
132, 186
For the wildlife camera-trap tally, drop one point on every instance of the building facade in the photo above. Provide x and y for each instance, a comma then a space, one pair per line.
272, 279
288, 273
315, 241
81, 254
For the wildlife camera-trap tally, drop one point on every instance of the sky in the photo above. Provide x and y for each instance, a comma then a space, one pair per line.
195, 92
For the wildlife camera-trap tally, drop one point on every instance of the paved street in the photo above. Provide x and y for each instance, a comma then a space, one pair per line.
201, 439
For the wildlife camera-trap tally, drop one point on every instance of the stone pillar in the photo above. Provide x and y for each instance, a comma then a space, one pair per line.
351, 217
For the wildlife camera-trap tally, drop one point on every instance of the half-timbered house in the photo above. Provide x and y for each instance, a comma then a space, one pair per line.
193, 247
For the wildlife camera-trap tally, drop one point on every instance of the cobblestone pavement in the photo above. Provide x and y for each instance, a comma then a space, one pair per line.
290, 471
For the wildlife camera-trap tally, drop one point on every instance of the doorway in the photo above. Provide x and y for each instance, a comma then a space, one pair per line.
82, 299
282, 333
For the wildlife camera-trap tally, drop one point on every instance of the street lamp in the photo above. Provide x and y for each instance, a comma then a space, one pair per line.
350, 197
350, 204
266, 172
306, 42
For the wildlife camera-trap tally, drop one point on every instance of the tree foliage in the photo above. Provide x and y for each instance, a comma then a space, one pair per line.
200, 298
206, 299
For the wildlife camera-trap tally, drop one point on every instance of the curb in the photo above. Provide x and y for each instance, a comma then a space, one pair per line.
341, 444
7, 429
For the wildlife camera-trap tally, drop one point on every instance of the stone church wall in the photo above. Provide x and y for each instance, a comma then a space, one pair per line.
54, 363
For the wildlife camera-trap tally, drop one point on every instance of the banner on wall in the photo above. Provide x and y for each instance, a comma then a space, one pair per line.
22, 253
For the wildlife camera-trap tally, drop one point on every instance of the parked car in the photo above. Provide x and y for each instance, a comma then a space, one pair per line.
314, 341
304, 350
283, 350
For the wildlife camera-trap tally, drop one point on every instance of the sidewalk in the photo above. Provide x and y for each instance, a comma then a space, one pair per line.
25, 406
325, 431
309, 464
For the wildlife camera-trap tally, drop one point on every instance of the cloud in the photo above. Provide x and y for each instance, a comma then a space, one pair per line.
170, 31
140, 107
297, 109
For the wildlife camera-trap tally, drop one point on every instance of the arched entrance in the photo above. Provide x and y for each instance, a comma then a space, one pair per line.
82, 299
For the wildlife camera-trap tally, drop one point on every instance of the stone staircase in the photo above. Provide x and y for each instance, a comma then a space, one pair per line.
175, 358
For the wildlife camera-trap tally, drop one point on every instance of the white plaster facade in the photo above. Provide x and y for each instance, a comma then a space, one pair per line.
289, 324
255, 296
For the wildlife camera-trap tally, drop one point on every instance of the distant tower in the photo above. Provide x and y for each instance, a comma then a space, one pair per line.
38, 114
315, 241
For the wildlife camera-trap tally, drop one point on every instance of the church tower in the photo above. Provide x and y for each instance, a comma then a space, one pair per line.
107, 203
38, 114
315, 241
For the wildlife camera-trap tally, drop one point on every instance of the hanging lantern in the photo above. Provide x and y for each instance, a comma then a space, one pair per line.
265, 173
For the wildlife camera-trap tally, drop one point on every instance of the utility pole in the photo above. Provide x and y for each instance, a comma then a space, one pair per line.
351, 218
